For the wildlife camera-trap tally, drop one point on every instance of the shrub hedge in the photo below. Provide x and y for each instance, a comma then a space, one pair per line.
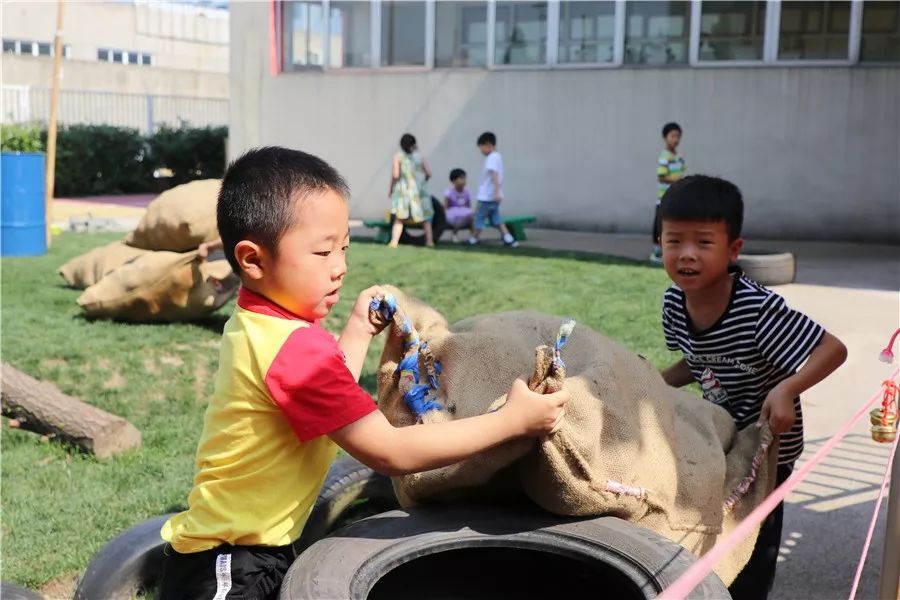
101, 159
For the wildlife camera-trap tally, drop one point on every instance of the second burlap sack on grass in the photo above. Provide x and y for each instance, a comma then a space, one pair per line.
179, 219
161, 287
84, 271
630, 445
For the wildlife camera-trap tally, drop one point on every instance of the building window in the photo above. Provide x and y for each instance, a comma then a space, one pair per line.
402, 33
460, 37
657, 33
44, 49
587, 32
9, 46
521, 33
351, 34
814, 30
28, 48
146, 59
880, 41
305, 37
117, 56
732, 30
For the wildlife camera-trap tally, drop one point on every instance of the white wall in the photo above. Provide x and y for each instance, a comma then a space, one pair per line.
816, 151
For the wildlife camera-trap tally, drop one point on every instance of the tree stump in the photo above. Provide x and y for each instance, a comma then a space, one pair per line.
42, 408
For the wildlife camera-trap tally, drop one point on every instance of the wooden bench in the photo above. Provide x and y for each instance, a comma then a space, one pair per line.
515, 224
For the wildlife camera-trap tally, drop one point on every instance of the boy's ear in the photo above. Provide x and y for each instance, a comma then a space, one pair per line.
734, 249
249, 256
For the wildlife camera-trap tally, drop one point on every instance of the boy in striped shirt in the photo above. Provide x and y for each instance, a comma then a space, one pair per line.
740, 341
669, 169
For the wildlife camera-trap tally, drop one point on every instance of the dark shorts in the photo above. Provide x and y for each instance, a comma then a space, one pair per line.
225, 573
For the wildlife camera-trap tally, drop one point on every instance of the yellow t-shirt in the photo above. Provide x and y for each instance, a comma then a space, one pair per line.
282, 385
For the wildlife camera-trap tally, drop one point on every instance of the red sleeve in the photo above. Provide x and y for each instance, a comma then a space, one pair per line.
313, 387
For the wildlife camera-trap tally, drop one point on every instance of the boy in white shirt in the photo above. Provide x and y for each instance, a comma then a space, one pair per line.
490, 191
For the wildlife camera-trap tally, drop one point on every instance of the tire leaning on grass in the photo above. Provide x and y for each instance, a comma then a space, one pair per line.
352, 491
768, 268
11, 591
469, 552
130, 562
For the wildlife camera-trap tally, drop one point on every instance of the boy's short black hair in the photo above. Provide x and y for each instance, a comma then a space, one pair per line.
704, 198
456, 174
487, 138
256, 201
407, 142
669, 127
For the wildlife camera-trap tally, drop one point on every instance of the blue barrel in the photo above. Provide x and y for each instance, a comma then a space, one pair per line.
23, 220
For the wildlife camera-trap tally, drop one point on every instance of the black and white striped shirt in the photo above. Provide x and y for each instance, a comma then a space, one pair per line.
756, 344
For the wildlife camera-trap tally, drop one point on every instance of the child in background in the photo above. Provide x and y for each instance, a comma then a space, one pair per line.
286, 392
490, 191
458, 203
669, 169
751, 353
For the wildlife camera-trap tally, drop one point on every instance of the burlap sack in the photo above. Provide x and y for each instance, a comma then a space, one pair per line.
179, 219
630, 445
89, 268
161, 286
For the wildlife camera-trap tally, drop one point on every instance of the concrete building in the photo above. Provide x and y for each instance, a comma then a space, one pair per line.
135, 63
796, 102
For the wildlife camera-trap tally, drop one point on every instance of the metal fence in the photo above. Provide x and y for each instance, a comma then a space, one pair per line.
144, 112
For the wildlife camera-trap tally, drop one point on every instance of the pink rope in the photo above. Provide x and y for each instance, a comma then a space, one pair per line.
700, 569
865, 550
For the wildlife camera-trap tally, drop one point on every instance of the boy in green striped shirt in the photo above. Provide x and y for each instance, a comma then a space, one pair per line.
669, 169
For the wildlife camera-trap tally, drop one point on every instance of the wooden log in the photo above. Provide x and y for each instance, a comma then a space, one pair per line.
42, 408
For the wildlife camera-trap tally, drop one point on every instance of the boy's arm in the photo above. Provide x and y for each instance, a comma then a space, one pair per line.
399, 450
498, 195
678, 375
778, 408
357, 334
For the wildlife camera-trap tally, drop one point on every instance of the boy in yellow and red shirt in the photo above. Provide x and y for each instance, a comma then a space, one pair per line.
286, 391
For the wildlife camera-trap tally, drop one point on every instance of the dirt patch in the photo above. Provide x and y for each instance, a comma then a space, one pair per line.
61, 588
172, 361
52, 363
151, 367
201, 376
114, 381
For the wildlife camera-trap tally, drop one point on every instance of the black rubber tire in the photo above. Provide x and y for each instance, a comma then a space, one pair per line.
349, 563
416, 237
131, 562
11, 591
768, 268
352, 491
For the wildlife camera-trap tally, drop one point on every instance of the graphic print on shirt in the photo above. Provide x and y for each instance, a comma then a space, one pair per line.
712, 389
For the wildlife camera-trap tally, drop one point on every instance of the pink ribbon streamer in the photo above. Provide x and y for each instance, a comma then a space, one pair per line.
865, 550
700, 569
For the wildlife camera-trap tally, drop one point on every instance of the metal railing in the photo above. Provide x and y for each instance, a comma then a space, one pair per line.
144, 112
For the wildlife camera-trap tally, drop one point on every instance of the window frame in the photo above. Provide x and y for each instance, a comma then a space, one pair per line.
488, 33
771, 37
870, 63
853, 39
490, 65
618, 41
694, 59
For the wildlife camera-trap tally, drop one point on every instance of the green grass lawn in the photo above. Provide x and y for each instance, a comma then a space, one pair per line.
60, 506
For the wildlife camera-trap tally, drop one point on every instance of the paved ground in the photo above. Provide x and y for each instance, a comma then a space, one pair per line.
851, 289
